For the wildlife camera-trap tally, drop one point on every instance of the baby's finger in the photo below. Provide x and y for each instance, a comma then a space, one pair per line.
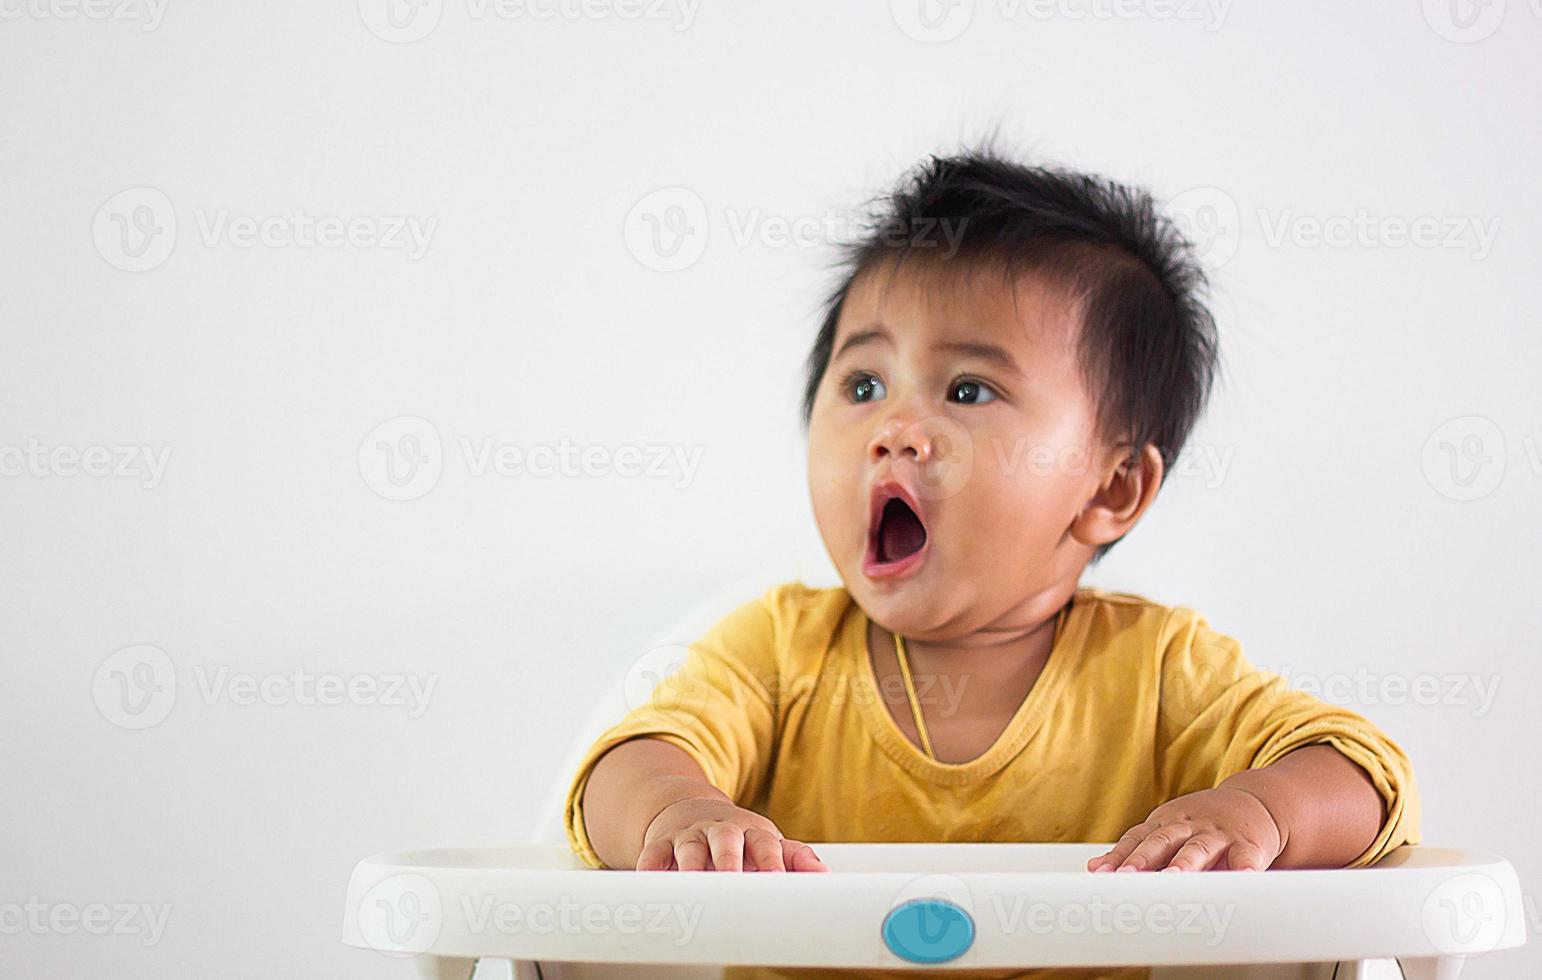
1158, 847
657, 856
1198, 853
727, 843
1121, 849
691, 851
764, 848
1244, 855
800, 857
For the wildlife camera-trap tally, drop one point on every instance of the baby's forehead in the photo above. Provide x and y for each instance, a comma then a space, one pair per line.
934, 304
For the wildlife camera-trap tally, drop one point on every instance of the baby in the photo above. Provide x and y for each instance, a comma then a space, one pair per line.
1010, 366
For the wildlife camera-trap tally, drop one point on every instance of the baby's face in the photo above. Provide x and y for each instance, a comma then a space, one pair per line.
940, 392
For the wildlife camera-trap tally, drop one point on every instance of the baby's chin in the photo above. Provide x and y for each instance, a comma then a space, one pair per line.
939, 603
917, 606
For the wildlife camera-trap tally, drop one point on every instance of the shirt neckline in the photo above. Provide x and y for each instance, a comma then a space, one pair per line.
1025, 721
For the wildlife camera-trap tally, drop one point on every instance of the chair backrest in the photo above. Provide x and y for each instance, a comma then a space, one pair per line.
648, 664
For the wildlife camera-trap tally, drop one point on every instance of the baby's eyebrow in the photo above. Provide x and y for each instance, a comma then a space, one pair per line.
869, 336
987, 352
994, 353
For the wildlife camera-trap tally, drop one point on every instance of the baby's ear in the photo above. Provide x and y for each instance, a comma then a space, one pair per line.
1127, 486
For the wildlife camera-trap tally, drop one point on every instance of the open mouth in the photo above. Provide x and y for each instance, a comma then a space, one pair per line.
896, 541
900, 532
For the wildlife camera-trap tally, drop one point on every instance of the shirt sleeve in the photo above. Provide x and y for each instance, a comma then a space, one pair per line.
1218, 715
718, 706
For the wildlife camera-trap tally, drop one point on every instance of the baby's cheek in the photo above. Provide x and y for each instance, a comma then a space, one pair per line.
1018, 520
834, 496
821, 470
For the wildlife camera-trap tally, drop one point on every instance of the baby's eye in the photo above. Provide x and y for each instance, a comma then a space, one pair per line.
972, 392
864, 388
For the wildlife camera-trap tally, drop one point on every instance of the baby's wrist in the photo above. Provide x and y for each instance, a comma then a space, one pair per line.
701, 794
1261, 785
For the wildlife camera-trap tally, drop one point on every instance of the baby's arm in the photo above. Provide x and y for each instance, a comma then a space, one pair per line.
1255, 774
1313, 808
648, 805
656, 791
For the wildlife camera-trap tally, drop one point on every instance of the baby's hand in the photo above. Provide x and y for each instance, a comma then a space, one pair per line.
708, 834
1215, 828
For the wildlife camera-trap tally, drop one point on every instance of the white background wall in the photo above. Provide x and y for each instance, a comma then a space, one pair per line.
1337, 542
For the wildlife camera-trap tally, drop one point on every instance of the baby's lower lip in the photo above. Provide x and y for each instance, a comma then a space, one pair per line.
888, 570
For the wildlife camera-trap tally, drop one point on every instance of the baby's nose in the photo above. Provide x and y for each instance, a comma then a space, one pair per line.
904, 436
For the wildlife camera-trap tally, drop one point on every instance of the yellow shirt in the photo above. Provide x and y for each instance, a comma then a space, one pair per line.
1138, 703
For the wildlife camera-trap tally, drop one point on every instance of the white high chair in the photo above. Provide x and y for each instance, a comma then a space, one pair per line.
534, 911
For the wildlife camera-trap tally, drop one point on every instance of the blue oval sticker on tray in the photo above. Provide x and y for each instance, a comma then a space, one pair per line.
928, 930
